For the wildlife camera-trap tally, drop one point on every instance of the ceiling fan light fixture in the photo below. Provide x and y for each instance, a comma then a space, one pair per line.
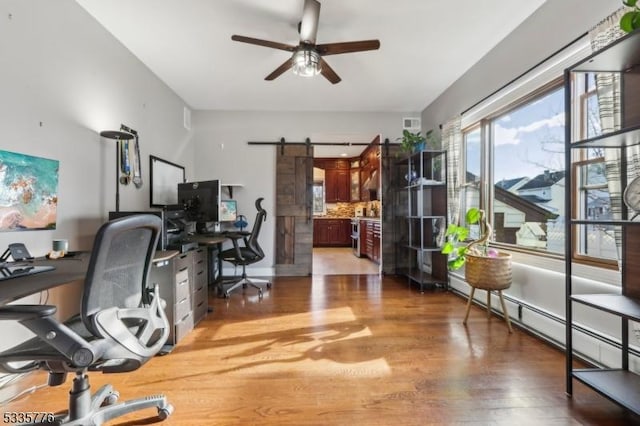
306, 63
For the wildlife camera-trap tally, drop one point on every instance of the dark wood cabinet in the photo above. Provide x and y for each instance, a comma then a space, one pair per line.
375, 253
369, 169
370, 232
354, 184
364, 193
337, 185
332, 232
336, 179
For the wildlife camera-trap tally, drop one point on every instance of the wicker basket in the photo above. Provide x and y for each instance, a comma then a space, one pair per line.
488, 273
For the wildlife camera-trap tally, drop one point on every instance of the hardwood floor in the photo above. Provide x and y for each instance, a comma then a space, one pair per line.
352, 350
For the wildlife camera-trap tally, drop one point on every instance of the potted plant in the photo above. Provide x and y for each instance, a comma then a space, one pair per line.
486, 267
411, 142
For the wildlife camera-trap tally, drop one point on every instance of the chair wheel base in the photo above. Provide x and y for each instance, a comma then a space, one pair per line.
164, 413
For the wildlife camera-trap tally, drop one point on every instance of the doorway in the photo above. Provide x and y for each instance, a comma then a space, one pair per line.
346, 184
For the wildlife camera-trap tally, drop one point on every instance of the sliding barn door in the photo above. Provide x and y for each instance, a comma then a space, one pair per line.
294, 210
392, 206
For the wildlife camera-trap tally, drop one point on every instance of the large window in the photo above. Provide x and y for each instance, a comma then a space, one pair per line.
594, 243
513, 165
472, 159
524, 151
529, 175
520, 151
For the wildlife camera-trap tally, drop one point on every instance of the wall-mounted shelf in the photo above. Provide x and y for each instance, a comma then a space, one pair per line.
230, 187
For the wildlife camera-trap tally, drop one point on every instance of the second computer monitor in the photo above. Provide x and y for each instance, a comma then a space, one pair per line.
228, 211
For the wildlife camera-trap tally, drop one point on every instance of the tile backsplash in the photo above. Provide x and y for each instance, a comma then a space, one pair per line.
348, 209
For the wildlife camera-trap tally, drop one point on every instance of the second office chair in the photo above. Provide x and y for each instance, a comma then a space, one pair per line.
248, 254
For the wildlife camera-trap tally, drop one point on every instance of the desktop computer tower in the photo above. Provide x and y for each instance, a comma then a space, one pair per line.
174, 227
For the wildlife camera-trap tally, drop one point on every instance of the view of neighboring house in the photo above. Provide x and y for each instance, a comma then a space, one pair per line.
546, 190
527, 210
512, 185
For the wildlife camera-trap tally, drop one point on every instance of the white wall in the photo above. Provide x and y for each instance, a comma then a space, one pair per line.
555, 24
63, 79
223, 153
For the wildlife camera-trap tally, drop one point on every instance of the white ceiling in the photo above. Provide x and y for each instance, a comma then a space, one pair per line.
425, 46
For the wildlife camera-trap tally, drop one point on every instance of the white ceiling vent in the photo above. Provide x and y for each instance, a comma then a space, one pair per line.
412, 124
186, 118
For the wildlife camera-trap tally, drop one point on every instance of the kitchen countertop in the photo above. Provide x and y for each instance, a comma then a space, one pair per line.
331, 217
374, 218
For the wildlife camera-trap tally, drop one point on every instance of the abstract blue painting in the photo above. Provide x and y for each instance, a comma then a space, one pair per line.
28, 192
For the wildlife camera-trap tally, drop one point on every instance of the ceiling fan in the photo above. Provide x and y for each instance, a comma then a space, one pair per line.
307, 59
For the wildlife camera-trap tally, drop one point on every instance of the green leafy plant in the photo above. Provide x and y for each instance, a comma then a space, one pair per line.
456, 235
630, 21
410, 141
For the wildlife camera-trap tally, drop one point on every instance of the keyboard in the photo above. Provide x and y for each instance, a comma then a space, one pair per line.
14, 271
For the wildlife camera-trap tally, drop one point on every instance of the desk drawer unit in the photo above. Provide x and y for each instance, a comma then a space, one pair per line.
173, 278
184, 326
199, 284
183, 290
182, 309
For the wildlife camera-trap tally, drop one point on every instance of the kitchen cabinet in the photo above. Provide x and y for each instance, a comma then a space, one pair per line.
354, 184
369, 169
620, 384
375, 254
365, 195
337, 177
370, 233
332, 232
337, 185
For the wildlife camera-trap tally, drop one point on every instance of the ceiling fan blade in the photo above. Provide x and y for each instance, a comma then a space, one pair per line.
265, 43
328, 72
347, 47
280, 70
309, 23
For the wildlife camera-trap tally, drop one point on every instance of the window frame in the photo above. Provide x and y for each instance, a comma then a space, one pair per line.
486, 188
576, 256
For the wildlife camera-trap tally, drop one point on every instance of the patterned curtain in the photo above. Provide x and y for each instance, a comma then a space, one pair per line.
610, 105
452, 143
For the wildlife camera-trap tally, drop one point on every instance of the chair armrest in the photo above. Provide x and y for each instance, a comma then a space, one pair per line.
39, 319
234, 237
113, 324
26, 312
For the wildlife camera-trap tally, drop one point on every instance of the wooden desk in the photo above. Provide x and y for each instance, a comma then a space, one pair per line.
66, 270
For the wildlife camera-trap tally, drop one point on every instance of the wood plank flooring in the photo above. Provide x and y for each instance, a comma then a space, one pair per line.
352, 350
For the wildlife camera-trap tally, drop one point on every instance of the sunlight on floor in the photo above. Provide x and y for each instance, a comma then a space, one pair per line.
322, 343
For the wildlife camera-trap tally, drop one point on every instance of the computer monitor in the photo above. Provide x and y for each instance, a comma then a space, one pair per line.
228, 211
200, 200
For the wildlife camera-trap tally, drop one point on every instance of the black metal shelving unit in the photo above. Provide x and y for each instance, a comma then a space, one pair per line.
422, 219
618, 384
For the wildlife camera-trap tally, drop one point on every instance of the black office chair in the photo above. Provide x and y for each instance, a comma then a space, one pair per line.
121, 325
247, 255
